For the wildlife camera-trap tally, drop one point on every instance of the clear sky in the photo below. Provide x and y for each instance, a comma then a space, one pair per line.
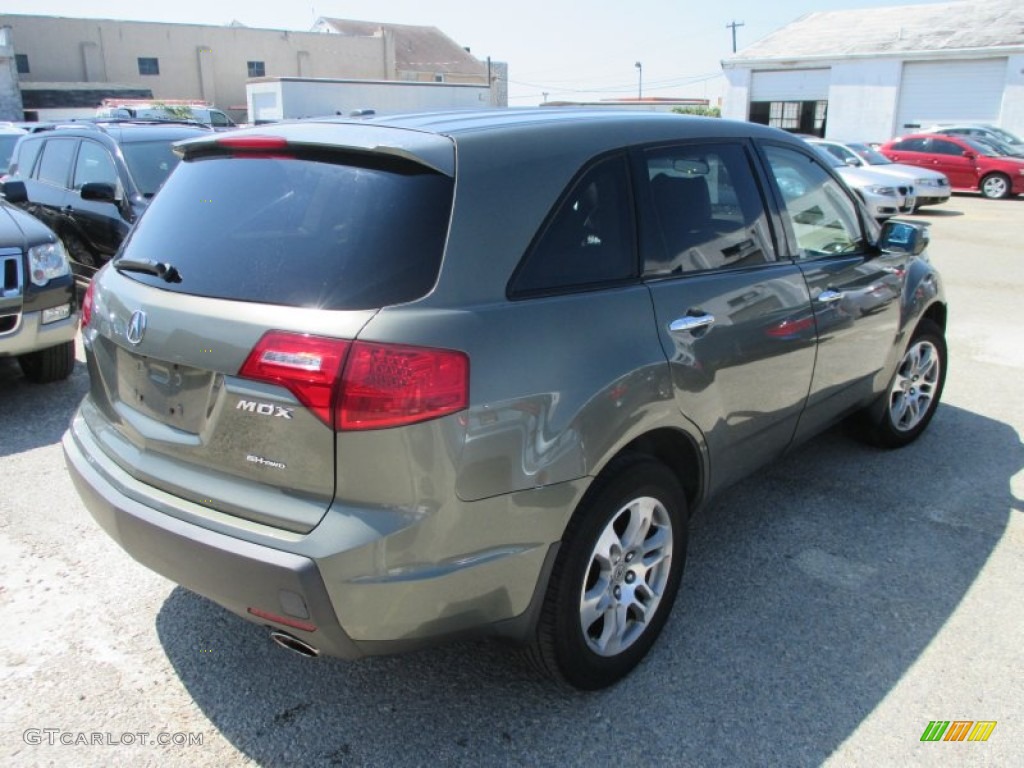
569, 51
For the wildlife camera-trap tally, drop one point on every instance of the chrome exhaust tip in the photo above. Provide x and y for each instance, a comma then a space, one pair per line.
293, 644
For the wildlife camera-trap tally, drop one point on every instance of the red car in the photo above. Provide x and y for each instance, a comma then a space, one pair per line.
969, 163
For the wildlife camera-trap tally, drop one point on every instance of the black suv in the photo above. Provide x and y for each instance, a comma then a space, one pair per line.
89, 182
38, 317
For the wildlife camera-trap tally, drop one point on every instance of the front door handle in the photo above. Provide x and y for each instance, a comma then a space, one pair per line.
830, 297
691, 323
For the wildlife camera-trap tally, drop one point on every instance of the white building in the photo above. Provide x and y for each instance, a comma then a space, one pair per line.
876, 73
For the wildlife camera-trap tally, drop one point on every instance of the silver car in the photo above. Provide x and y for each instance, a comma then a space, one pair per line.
883, 194
376, 384
930, 187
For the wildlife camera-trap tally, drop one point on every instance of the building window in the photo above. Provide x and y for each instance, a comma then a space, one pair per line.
257, 68
21, 62
149, 66
439, 77
785, 115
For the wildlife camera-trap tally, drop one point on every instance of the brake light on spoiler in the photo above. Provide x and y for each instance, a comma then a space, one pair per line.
357, 385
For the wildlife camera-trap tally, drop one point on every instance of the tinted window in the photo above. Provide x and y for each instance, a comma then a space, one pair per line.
149, 66
823, 217
297, 232
707, 211
55, 164
946, 147
94, 164
911, 145
150, 163
589, 241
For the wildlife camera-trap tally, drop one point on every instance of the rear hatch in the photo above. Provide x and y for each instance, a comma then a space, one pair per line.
217, 338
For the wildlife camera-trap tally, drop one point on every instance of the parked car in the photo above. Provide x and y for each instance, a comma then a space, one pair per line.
9, 135
1004, 140
497, 417
38, 314
884, 194
969, 164
930, 187
89, 182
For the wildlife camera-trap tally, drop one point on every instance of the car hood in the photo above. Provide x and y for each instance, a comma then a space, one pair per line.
909, 171
863, 176
19, 229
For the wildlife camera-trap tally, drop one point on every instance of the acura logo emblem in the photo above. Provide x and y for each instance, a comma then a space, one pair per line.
136, 327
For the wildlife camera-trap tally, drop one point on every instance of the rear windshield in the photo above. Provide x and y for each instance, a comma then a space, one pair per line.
297, 232
150, 163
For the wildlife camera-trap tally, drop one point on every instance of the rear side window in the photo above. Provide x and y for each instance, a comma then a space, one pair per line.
55, 164
707, 211
297, 232
589, 241
911, 145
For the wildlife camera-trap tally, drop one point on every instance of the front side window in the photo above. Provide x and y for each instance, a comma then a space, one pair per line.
589, 241
911, 145
55, 164
941, 147
94, 164
822, 216
707, 211
149, 66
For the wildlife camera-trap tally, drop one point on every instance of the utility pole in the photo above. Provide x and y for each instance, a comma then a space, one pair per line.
640, 80
733, 28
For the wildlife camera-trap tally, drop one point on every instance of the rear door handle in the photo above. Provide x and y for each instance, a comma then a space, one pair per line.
691, 323
830, 297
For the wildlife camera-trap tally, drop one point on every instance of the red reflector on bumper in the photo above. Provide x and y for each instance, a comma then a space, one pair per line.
293, 623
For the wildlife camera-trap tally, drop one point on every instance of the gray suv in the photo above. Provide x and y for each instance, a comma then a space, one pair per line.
382, 383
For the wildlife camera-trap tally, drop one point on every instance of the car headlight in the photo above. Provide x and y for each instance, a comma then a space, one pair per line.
877, 189
927, 182
45, 262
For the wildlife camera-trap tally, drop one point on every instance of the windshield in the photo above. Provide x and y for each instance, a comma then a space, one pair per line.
869, 155
150, 163
351, 234
6, 150
831, 160
985, 147
1006, 136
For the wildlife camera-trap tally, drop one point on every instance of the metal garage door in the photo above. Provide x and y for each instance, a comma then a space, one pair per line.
950, 92
791, 85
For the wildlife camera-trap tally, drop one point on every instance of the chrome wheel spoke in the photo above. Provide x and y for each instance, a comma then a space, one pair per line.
913, 388
626, 577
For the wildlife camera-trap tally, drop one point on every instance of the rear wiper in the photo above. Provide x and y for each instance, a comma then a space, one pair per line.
166, 272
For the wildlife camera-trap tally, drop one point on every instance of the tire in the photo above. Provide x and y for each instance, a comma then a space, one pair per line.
995, 186
913, 394
621, 559
50, 364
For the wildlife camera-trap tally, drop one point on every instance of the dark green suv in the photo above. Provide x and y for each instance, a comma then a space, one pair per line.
375, 384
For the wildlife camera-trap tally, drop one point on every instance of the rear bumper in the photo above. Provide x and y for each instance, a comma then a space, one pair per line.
339, 585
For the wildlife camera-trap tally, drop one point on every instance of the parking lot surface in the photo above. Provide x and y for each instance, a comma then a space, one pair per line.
834, 604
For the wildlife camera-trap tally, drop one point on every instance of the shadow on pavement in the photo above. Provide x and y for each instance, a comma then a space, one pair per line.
35, 415
810, 590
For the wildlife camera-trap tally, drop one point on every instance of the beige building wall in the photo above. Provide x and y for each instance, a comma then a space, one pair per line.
195, 61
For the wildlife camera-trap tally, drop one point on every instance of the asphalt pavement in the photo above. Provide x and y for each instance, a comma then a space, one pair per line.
833, 605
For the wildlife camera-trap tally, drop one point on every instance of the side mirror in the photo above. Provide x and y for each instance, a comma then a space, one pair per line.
100, 191
970, 155
903, 237
853, 162
14, 191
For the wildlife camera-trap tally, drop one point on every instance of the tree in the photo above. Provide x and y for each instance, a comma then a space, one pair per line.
695, 110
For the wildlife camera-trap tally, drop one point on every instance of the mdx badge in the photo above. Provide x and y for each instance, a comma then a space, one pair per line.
264, 409
136, 327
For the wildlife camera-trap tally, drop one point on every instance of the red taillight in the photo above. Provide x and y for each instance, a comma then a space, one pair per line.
307, 366
386, 385
87, 304
381, 385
